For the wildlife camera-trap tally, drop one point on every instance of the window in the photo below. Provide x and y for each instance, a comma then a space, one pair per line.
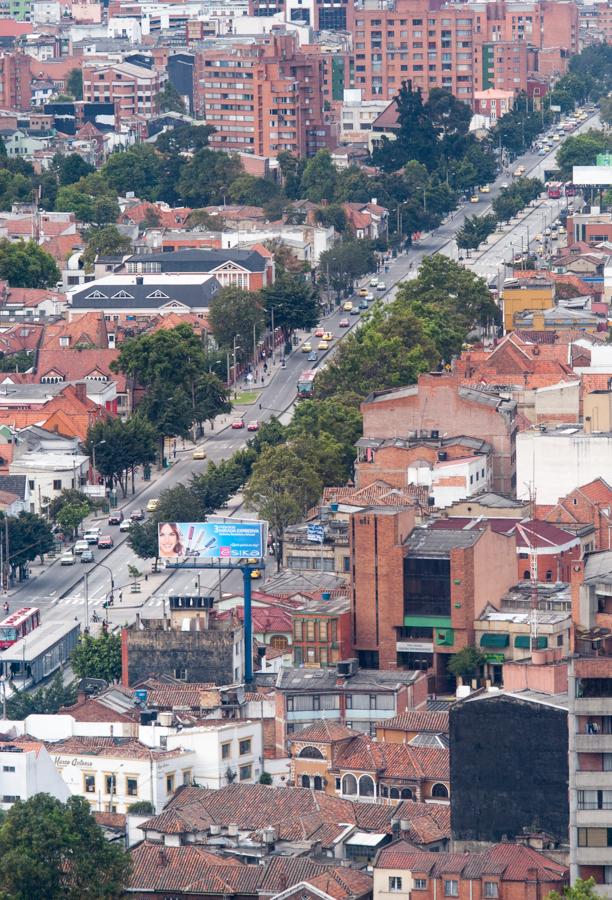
180, 674
57, 484
366, 786
491, 889
8, 768
349, 785
440, 791
395, 883
226, 750
245, 773
170, 783
451, 888
131, 786
245, 746
420, 884
187, 776
310, 753
110, 784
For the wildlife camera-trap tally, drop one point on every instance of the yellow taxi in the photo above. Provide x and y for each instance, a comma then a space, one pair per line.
255, 573
328, 336
199, 453
485, 189
347, 305
475, 199
152, 504
323, 345
306, 346
363, 292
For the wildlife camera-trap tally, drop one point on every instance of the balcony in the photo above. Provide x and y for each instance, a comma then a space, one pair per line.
593, 706
593, 743
593, 856
593, 818
593, 780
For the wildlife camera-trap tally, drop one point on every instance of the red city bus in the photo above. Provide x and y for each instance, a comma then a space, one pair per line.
570, 189
18, 625
554, 189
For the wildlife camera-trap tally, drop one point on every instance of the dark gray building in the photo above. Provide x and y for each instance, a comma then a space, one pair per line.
509, 766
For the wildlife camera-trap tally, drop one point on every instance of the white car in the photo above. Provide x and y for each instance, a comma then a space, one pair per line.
80, 546
381, 286
126, 524
373, 282
68, 558
91, 535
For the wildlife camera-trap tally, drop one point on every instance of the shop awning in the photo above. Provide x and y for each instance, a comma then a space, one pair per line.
494, 639
523, 641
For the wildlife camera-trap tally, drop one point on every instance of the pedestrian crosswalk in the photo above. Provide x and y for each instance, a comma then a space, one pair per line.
79, 600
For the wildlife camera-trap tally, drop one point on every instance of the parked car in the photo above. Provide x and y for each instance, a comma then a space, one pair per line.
68, 558
253, 426
80, 546
152, 504
237, 424
199, 453
87, 556
115, 518
137, 515
92, 535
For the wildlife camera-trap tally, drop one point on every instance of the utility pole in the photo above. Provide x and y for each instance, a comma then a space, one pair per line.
8, 555
273, 334
86, 587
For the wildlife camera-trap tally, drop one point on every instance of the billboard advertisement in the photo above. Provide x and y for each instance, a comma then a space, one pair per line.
592, 175
216, 539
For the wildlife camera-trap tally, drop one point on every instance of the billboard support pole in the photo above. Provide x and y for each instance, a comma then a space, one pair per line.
248, 626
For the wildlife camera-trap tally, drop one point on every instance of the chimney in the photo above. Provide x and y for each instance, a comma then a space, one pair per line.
163, 858
80, 389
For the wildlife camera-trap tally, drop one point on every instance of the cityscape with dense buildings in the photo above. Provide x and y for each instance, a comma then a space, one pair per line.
306, 449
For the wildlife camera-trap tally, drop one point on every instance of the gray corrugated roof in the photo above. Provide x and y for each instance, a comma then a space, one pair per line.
496, 501
327, 679
203, 260
14, 484
193, 295
598, 568
439, 541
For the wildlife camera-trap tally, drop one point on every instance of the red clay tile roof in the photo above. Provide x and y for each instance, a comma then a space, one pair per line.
379, 493
115, 748
393, 760
171, 696
512, 862
428, 823
190, 869
61, 246
168, 218
88, 330
323, 732
92, 710
265, 620
419, 720
75, 365
109, 819
296, 813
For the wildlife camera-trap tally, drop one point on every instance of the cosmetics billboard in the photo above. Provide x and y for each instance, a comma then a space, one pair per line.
215, 539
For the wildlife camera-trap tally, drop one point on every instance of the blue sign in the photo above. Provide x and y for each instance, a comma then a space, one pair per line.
316, 534
231, 539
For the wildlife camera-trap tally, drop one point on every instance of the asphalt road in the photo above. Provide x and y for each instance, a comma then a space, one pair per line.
60, 591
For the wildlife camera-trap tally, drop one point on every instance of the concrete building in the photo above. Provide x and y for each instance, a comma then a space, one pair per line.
509, 766
528, 296
131, 88
191, 646
251, 269
438, 408
590, 770
556, 461
262, 95
26, 769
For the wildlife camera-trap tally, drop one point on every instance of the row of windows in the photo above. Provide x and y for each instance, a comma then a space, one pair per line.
315, 630
310, 656
109, 783
451, 886
244, 747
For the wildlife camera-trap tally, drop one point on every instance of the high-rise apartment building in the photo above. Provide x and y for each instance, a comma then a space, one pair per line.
131, 88
262, 96
15, 81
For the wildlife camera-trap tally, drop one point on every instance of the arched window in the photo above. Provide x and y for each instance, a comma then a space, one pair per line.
318, 783
366, 786
526, 575
306, 781
310, 753
349, 785
440, 791
384, 790
394, 793
407, 794
548, 575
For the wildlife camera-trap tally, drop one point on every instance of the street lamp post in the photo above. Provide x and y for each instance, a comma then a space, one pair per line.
273, 334
93, 454
110, 595
236, 347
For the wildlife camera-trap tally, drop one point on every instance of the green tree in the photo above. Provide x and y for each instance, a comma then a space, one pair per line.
57, 851
416, 137
466, 663
294, 300
605, 110
178, 504
29, 536
104, 241
45, 701
345, 262
292, 169
329, 417
71, 168
169, 99
235, 313
26, 264
211, 398
582, 150
142, 539
141, 808
136, 169
206, 179
449, 116
21, 361
319, 178
74, 83
121, 446
581, 890
97, 657
474, 231
70, 517
151, 219
252, 191
68, 495
183, 139
282, 487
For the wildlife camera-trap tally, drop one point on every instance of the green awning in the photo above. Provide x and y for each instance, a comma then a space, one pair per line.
523, 641
494, 639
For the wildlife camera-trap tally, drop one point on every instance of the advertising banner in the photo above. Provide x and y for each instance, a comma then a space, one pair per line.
233, 539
